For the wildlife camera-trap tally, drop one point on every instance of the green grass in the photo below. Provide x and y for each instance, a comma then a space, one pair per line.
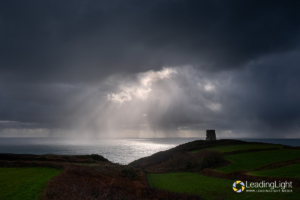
286, 171
250, 161
208, 187
231, 148
24, 183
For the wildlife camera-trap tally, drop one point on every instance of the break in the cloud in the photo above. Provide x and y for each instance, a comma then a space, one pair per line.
149, 68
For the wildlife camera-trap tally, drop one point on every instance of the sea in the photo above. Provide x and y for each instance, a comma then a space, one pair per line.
122, 151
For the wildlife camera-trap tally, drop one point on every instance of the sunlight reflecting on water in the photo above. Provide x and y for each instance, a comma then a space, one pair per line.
121, 151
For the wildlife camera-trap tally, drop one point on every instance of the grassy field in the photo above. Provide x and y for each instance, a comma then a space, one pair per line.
250, 161
287, 171
231, 148
24, 183
208, 187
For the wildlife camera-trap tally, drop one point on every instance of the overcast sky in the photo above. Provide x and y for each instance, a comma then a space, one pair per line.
159, 68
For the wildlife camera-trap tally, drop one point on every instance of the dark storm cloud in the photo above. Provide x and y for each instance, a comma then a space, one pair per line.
86, 40
59, 60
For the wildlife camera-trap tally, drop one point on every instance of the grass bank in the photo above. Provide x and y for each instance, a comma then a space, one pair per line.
292, 171
251, 161
242, 147
24, 183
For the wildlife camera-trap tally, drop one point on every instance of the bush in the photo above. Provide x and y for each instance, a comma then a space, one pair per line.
213, 160
98, 158
129, 172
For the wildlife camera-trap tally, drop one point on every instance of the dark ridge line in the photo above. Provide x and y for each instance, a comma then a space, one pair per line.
162, 156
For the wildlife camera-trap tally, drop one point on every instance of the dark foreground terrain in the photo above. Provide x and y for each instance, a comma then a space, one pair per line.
195, 170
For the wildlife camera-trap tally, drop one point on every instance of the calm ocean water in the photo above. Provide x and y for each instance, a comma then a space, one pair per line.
121, 151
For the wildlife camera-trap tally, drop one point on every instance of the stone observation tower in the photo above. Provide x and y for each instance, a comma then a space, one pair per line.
211, 135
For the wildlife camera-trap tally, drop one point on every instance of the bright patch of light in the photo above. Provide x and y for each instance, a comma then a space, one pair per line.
142, 89
209, 87
214, 106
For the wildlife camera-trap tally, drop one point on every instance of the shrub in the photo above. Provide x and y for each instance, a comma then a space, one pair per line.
98, 157
213, 160
129, 172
